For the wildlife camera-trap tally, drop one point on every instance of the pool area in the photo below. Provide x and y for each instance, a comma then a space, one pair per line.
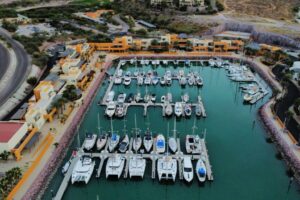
243, 163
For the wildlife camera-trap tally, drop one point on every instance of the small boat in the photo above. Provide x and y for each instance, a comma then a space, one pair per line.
123, 146
211, 62
201, 170
135, 73
115, 165
129, 98
131, 61
191, 80
148, 140
101, 141
185, 98
113, 142
168, 109
163, 98
66, 167
172, 140
169, 97
120, 110
146, 62
162, 80
155, 80
121, 98
187, 110
153, 97
147, 98
192, 144
137, 166
160, 144
119, 72
110, 109
198, 110
147, 80
89, 141
182, 81
188, 172
248, 97
165, 62
138, 97
178, 109
118, 80
110, 96
127, 80
167, 168
83, 170
199, 81
140, 80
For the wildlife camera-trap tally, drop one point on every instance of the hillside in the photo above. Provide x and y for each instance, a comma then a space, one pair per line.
275, 9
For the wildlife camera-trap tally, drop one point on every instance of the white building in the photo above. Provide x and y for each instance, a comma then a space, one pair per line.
11, 133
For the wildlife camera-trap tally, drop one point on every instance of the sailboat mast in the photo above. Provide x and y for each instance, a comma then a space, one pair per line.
194, 127
174, 131
98, 123
111, 126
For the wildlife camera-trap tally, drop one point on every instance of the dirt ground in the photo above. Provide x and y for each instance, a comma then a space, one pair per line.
274, 9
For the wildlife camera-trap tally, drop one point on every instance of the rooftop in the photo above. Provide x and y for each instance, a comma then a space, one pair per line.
8, 130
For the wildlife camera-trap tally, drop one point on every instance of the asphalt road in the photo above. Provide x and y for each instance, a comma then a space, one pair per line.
23, 66
4, 60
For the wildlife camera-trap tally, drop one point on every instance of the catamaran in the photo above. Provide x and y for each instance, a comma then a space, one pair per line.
166, 168
89, 141
188, 172
115, 165
137, 166
83, 170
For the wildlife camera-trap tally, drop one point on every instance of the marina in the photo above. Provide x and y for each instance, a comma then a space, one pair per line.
224, 140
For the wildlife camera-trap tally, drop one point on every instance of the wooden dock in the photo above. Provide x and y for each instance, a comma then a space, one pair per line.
209, 173
64, 184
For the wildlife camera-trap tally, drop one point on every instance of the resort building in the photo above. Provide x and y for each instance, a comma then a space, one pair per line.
233, 35
159, 2
11, 133
189, 2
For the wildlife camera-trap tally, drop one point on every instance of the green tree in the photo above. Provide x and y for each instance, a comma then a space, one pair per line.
32, 80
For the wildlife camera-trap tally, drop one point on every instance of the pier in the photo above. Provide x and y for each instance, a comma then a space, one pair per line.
64, 184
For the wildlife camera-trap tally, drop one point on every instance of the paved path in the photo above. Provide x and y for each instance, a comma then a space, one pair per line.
4, 61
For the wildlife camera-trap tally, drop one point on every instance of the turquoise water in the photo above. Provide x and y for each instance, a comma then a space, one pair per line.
244, 164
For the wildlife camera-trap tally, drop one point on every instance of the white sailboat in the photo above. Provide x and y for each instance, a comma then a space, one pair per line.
137, 140
115, 165
169, 109
178, 109
137, 166
89, 141
185, 98
172, 140
83, 170
187, 110
110, 96
201, 170
188, 172
148, 140
102, 137
160, 144
114, 139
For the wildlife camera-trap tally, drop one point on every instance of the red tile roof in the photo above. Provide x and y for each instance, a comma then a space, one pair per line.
8, 130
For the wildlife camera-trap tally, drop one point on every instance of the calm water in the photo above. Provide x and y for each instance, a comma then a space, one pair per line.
244, 165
